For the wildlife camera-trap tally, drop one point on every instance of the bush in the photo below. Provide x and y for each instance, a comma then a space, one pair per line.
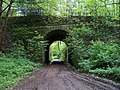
12, 70
14, 65
30, 41
77, 45
99, 57
35, 48
109, 72
17, 51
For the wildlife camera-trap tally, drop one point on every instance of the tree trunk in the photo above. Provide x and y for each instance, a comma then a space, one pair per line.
3, 24
0, 40
1, 32
1, 2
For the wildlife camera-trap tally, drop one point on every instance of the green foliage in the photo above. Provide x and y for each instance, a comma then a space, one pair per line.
76, 42
82, 32
17, 51
12, 70
109, 72
31, 42
62, 7
107, 52
58, 50
76, 45
101, 55
23, 33
14, 65
36, 48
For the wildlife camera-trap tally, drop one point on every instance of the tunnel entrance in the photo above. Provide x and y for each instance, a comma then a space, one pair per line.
58, 51
56, 35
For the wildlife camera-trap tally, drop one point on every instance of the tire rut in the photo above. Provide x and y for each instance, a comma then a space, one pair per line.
60, 77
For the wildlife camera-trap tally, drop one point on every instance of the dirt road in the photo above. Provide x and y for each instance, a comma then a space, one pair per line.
58, 77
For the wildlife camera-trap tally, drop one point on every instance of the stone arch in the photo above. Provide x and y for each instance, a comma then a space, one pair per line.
52, 36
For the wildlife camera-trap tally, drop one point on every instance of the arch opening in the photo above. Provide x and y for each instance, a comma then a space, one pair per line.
55, 35
58, 50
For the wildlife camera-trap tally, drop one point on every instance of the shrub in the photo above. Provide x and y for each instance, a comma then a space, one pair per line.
14, 65
12, 70
17, 51
35, 48
109, 72
32, 43
101, 55
76, 43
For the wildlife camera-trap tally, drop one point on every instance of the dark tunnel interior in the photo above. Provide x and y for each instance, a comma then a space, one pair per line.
54, 36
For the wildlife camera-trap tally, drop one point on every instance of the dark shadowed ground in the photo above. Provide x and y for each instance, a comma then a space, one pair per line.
60, 77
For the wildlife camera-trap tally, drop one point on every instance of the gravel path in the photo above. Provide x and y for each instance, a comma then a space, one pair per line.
59, 77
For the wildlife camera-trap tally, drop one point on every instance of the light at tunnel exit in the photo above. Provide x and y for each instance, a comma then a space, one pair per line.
58, 50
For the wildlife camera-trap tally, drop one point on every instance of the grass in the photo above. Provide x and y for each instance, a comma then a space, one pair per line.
12, 70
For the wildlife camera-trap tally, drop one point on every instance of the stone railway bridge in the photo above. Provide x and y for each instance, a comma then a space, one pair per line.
51, 28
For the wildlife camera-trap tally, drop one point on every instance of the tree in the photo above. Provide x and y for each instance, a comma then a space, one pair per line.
3, 23
1, 1
7, 8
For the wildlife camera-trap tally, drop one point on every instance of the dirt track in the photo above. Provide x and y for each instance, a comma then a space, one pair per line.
58, 77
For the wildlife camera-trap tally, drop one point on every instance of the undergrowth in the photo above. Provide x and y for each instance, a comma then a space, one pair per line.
14, 65
12, 70
98, 56
111, 73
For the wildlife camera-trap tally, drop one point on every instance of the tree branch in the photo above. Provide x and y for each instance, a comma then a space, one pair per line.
9, 7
